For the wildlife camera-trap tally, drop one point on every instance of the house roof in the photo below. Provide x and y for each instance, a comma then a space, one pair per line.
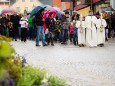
81, 6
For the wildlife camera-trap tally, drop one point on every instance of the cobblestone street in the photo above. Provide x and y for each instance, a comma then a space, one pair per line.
79, 66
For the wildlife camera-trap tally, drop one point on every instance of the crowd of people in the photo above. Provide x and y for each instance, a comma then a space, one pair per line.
91, 30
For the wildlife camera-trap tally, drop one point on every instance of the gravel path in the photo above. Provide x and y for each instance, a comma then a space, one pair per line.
79, 66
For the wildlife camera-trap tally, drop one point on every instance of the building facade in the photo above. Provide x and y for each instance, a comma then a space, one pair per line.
61, 5
4, 3
28, 5
83, 6
112, 2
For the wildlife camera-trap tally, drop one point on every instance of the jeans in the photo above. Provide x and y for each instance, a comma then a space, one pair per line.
64, 35
40, 29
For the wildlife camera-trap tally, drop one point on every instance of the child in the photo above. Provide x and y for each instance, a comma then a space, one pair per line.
57, 31
71, 32
23, 23
75, 38
81, 31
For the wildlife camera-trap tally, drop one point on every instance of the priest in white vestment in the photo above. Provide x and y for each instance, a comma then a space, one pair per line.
91, 34
80, 24
101, 24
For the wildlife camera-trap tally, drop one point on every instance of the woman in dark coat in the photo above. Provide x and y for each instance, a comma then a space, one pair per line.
15, 20
50, 23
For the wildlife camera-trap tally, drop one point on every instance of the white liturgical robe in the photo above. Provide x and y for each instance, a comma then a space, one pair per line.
101, 24
91, 35
81, 32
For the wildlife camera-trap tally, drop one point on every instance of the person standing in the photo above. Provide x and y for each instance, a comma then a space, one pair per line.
31, 29
65, 27
23, 22
39, 21
71, 32
50, 23
15, 20
101, 24
113, 25
80, 24
91, 35
4, 24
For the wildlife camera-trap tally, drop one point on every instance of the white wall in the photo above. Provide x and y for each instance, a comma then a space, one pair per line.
113, 4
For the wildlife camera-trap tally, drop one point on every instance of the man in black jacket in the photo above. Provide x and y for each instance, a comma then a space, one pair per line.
39, 22
15, 20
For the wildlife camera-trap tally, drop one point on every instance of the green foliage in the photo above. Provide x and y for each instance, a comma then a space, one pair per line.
9, 62
15, 68
3, 38
6, 52
55, 81
32, 76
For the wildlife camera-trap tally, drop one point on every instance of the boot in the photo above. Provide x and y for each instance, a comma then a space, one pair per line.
52, 42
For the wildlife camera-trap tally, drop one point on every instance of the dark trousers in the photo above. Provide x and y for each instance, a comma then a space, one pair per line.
50, 37
31, 33
71, 36
15, 32
11, 34
23, 34
109, 32
1, 31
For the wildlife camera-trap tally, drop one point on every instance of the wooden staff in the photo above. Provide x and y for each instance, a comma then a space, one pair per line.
81, 28
91, 19
101, 28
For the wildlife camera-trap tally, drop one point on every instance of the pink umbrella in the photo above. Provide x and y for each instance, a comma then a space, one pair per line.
46, 14
7, 10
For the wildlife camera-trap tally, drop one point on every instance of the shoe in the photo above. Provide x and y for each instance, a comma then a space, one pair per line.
83, 45
38, 45
52, 44
80, 45
106, 39
44, 45
101, 45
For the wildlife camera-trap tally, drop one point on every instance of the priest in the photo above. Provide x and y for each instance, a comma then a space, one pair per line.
91, 35
101, 24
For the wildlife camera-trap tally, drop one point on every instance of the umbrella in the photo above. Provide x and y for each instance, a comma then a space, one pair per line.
109, 9
8, 10
48, 7
46, 14
58, 11
43, 6
37, 9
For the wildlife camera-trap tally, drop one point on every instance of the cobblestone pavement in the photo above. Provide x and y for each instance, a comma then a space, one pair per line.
79, 66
